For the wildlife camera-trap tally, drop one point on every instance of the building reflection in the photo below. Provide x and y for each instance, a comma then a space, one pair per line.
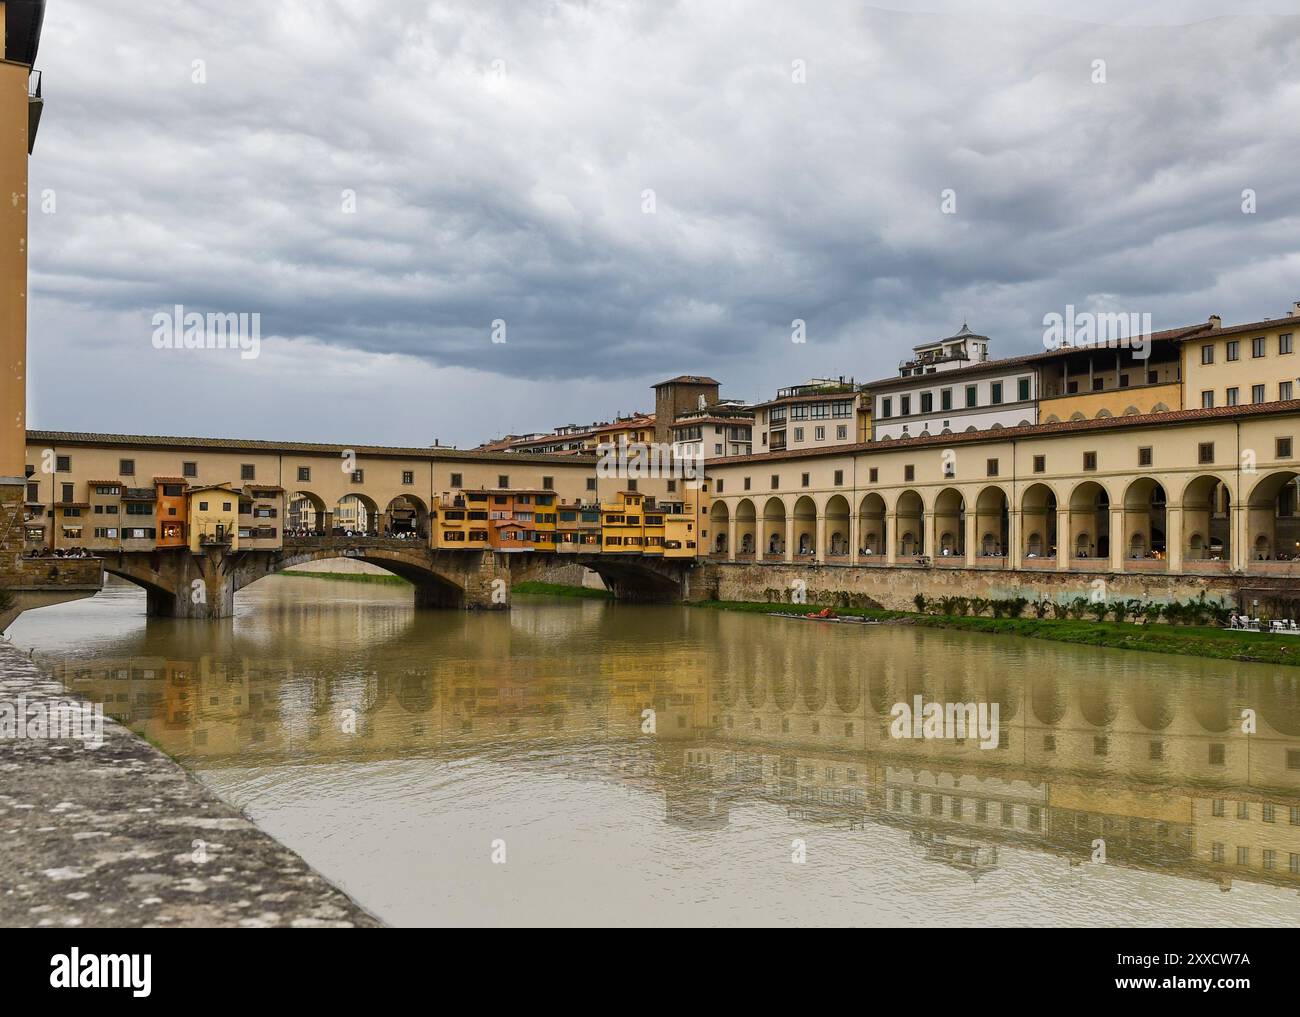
1155, 768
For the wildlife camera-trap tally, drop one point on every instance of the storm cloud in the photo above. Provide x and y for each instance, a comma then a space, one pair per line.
636, 190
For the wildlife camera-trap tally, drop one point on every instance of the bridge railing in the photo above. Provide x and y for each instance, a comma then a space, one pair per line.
339, 540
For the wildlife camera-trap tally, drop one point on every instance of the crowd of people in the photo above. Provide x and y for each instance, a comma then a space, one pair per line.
62, 552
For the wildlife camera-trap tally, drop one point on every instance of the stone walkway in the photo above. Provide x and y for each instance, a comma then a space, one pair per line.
120, 835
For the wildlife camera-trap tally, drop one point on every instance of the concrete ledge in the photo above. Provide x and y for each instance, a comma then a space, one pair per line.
121, 835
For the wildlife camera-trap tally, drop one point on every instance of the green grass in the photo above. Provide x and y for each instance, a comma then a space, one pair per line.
560, 590
349, 577
1193, 640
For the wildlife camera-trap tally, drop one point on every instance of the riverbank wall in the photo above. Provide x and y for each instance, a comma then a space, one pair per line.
120, 835
895, 589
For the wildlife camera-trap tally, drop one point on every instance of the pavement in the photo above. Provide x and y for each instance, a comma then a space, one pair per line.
121, 835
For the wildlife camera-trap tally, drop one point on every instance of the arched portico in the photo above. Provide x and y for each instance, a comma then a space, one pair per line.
1206, 524
772, 540
992, 526
720, 536
1088, 536
405, 515
838, 536
1146, 526
949, 527
871, 528
356, 513
909, 517
805, 528
746, 529
1038, 523
1272, 528
306, 514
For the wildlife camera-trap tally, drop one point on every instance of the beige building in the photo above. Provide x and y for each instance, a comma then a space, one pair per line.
1198, 491
822, 413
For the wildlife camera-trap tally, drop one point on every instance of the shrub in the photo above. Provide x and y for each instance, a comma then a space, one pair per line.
919, 601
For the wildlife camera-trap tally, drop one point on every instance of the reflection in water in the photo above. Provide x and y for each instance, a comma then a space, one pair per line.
391, 748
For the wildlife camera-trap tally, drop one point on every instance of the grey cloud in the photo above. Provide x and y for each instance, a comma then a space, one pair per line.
519, 196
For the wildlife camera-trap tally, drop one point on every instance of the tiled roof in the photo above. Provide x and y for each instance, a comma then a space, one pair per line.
153, 441
1172, 335
688, 379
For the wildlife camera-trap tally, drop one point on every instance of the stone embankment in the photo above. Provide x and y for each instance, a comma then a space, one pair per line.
121, 835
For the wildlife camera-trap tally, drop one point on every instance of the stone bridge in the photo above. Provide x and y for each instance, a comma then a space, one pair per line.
180, 584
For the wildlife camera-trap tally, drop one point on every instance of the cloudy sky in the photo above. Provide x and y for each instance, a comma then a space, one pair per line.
636, 190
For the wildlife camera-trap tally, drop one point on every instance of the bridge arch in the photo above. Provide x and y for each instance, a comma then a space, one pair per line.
433, 588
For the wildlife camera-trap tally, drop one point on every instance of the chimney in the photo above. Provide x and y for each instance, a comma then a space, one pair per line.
1295, 308
1216, 321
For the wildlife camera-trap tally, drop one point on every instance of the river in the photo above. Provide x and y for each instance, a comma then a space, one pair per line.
584, 762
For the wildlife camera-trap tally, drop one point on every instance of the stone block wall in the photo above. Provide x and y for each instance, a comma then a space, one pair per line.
895, 589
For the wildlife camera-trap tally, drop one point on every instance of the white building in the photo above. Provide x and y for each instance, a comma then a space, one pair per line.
949, 386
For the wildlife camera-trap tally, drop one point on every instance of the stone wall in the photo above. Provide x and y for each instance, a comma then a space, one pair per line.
36, 582
895, 588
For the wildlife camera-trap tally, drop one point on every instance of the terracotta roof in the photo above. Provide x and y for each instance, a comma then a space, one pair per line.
688, 379
690, 422
1172, 417
822, 396
153, 441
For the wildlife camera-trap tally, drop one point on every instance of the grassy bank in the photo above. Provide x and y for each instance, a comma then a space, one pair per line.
349, 577
1195, 640
560, 590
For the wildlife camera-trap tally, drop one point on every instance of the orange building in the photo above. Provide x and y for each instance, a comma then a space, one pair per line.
172, 508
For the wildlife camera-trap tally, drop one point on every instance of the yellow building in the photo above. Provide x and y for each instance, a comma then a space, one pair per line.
214, 517
1242, 364
544, 521
622, 524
